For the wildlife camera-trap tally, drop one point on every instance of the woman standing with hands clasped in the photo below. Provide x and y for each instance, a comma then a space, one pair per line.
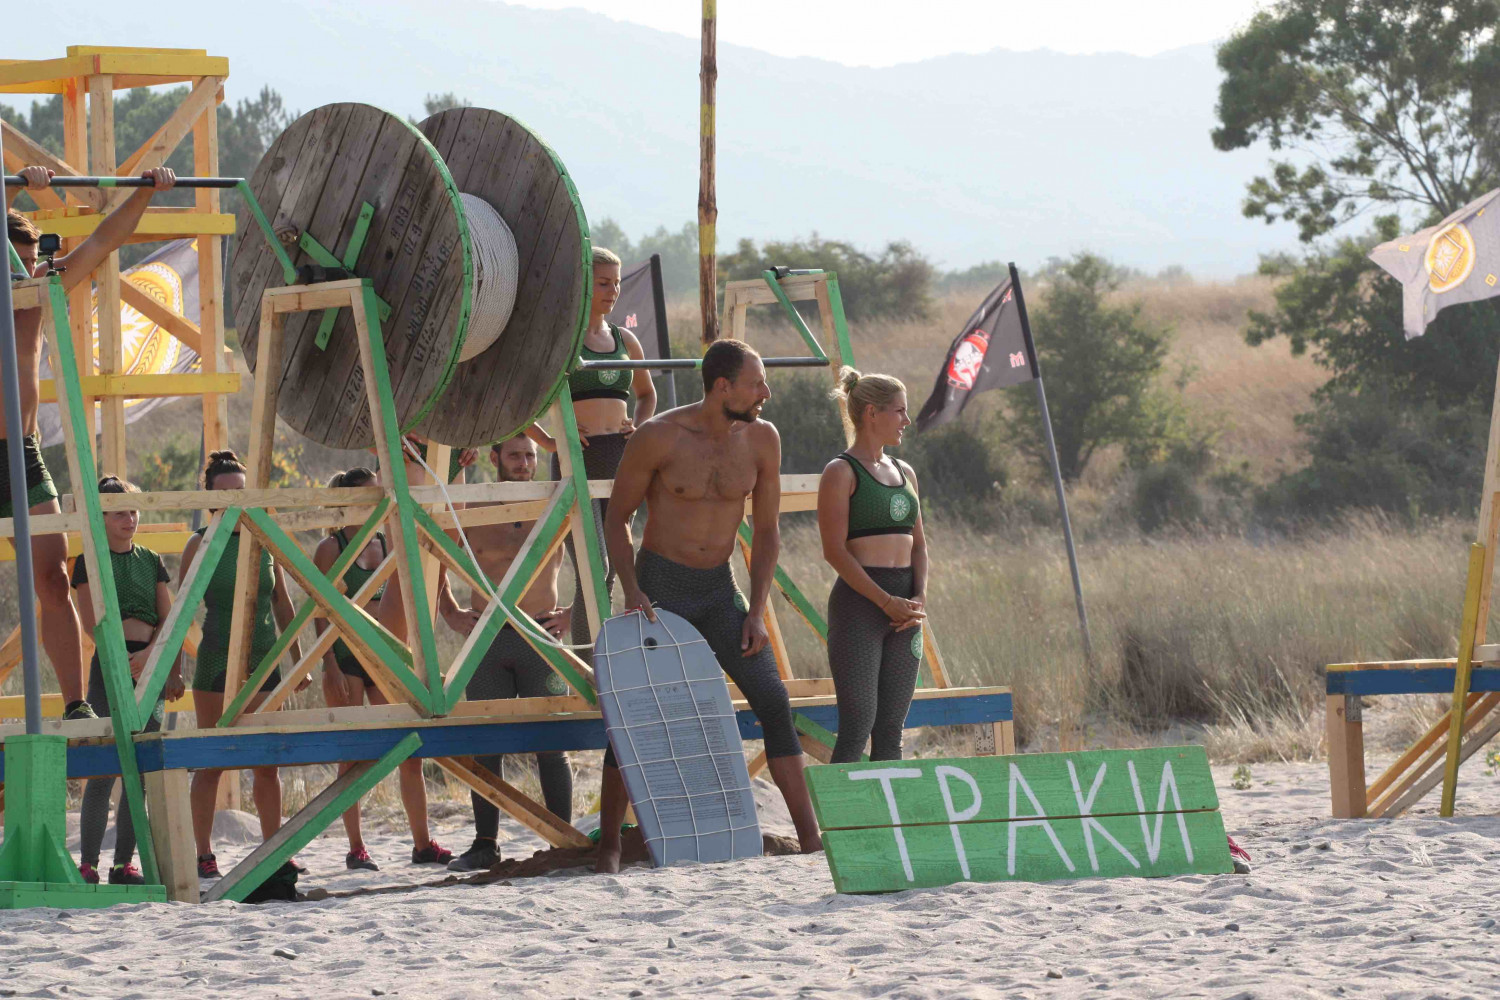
871, 525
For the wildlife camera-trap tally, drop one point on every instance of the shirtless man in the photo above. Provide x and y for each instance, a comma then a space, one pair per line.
693, 467
511, 668
62, 636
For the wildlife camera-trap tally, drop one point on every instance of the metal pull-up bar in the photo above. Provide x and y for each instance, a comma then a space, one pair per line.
69, 181
672, 364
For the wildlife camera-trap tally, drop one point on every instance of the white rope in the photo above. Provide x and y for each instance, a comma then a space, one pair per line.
492, 291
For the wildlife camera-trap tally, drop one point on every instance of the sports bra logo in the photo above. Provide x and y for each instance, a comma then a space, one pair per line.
900, 506
609, 377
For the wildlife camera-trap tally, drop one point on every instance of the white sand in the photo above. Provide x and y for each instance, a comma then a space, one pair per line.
1332, 909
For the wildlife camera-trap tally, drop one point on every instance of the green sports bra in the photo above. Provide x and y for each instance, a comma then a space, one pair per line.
356, 575
612, 384
878, 509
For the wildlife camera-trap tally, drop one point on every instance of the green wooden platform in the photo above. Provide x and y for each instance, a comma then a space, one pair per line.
893, 825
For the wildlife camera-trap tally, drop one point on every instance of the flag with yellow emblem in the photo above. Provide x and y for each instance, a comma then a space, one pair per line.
1457, 260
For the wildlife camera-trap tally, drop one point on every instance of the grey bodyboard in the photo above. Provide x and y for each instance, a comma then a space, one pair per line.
666, 708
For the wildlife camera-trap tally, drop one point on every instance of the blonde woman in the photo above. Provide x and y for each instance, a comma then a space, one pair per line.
601, 405
870, 521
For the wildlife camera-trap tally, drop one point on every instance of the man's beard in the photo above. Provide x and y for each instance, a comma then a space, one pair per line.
743, 416
506, 477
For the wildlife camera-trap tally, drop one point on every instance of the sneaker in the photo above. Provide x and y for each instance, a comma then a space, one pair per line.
125, 875
432, 854
301, 868
79, 710
208, 867
479, 858
1240, 857
90, 874
360, 860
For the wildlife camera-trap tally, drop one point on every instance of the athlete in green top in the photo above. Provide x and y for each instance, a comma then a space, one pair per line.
601, 408
49, 551
871, 524
144, 599
346, 683
224, 472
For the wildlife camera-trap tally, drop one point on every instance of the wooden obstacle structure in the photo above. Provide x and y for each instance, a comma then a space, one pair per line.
1472, 677
357, 344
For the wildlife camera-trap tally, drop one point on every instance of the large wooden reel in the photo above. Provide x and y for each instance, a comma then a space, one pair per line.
418, 254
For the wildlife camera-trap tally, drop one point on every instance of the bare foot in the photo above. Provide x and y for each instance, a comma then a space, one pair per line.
813, 846
609, 859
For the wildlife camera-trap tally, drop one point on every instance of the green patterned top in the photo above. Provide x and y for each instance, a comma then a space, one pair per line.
612, 384
137, 573
878, 509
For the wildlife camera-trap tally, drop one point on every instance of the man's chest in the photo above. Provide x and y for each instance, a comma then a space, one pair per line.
702, 471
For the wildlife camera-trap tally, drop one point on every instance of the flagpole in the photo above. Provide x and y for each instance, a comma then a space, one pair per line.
663, 338
1057, 479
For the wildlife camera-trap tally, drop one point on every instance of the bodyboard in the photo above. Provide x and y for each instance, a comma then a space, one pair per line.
667, 711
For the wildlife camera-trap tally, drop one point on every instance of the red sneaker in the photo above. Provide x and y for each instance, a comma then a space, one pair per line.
360, 859
125, 875
90, 874
1240, 857
208, 867
432, 854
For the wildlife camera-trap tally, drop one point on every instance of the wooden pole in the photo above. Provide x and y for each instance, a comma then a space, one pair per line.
708, 210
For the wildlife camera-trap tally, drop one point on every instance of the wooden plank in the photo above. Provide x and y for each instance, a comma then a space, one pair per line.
1089, 783
107, 279
1463, 666
29, 153
588, 560
1426, 773
155, 151
1434, 733
155, 226
299, 830
755, 292
1346, 756
147, 386
172, 830
184, 330
513, 802
210, 280
872, 860
258, 476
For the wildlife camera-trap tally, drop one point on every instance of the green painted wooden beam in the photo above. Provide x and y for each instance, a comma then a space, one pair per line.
109, 636
288, 269
796, 317
840, 324
824, 736
583, 501
210, 551
312, 819
790, 590
346, 613
400, 488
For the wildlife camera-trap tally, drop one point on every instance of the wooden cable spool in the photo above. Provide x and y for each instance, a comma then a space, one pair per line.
419, 256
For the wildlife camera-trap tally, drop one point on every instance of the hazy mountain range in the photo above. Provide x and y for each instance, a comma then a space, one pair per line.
1019, 155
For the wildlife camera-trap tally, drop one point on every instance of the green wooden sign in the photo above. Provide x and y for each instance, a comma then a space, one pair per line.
892, 825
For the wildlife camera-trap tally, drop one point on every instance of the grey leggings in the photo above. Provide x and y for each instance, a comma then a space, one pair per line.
600, 460
712, 604
512, 669
93, 816
874, 667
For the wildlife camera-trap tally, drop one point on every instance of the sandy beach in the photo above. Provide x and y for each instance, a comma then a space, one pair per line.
1332, 909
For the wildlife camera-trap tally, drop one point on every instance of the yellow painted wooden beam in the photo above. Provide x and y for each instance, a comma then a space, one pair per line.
149, 386
164, 542
129, 67
153, 225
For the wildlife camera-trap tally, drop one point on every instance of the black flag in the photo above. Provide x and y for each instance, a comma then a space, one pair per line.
642, 308
991, 352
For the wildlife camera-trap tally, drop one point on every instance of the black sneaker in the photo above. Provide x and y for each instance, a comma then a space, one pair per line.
479, 858
79, 710
125, 875
360, 861
432, 854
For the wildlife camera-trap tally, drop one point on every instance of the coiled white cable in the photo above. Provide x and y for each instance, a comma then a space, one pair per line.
492, 289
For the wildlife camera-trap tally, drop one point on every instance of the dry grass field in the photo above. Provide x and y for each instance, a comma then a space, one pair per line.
1210, 637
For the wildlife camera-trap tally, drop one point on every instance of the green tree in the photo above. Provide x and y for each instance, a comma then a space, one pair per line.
1384, 102
896, 284
433, 103
1103, 364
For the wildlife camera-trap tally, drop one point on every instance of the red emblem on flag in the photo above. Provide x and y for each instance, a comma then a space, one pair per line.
1018, 359
967, 360
630, 323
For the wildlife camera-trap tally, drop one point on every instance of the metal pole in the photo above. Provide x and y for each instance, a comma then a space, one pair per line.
1057, 480
10, 386
708, 209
